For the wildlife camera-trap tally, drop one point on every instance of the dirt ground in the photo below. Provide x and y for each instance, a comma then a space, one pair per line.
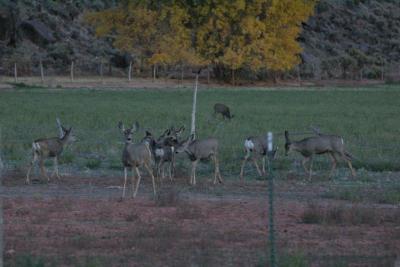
82, 221
121, 83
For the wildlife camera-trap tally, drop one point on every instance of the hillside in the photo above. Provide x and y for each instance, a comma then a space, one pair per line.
344, 39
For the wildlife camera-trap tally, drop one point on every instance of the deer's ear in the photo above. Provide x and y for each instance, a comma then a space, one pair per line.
135, 126
287, 136
180, 130
121, 126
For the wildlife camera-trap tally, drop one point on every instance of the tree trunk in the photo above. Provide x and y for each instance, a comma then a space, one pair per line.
298, 74
15, 72
382, 72
154, 73
181, 73
41, 70
101, 70
208, 75
72, 71
233, 76
193, 125
130, 71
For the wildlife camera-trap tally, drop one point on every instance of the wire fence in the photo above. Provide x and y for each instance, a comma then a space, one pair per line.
126, 69
102, 156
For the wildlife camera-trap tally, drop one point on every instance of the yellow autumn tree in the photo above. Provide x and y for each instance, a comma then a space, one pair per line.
230, 35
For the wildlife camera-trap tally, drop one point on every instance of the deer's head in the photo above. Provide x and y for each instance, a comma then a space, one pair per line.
182, 146
68, 135
171, 137
128, 132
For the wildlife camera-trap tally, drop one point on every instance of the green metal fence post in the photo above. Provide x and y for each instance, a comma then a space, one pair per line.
271, 201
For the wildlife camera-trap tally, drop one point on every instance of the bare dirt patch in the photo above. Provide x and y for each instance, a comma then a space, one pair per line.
74, 223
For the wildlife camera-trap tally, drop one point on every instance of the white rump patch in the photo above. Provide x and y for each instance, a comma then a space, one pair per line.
172, 149
159, 152
36, 146
342, 141
248, 144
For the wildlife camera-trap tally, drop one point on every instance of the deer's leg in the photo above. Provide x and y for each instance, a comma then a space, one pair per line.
193, 175
170, 170
257, 167
263, 164
56, 168
244, 163
125, 178
133, 179
162, 167
34, 158
334, 164
152, 178
303, 162
137, 182
217, 172
310, 171
353, 173
43, 169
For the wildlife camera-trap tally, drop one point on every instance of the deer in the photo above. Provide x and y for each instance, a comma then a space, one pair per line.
197, 150
256, 147
320, 144
165, 150
223, 110
45, 148
135, 155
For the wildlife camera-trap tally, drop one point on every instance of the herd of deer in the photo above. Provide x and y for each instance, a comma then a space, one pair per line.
160, 151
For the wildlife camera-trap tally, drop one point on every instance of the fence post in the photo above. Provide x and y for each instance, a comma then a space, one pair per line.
193, 124
72, 71
15, 72
41, 70
272, 256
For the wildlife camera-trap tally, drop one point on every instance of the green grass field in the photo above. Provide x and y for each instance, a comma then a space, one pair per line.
368, 119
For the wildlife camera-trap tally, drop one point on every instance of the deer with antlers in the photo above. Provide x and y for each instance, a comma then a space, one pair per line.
320, 144
135, 155
45, 148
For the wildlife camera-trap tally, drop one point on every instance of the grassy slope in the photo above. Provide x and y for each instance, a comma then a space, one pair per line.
369, 116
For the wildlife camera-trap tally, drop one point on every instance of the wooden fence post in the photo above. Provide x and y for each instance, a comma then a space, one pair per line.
130, 71
41, 70
72, 71
15, 72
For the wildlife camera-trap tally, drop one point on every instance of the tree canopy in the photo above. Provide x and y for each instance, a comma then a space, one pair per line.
237, 34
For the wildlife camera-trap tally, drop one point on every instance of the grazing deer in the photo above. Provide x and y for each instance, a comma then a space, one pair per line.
256, 147
199, 150
322, 143
49, 148
223, 110
135, 156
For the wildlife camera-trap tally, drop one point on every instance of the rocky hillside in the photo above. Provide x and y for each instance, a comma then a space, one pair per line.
349, 38
54, 32
344, 39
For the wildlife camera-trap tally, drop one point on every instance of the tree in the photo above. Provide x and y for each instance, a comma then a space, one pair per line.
252, 34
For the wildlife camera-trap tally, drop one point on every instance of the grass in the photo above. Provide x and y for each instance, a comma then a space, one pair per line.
348, 215
383, 194
367, 119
